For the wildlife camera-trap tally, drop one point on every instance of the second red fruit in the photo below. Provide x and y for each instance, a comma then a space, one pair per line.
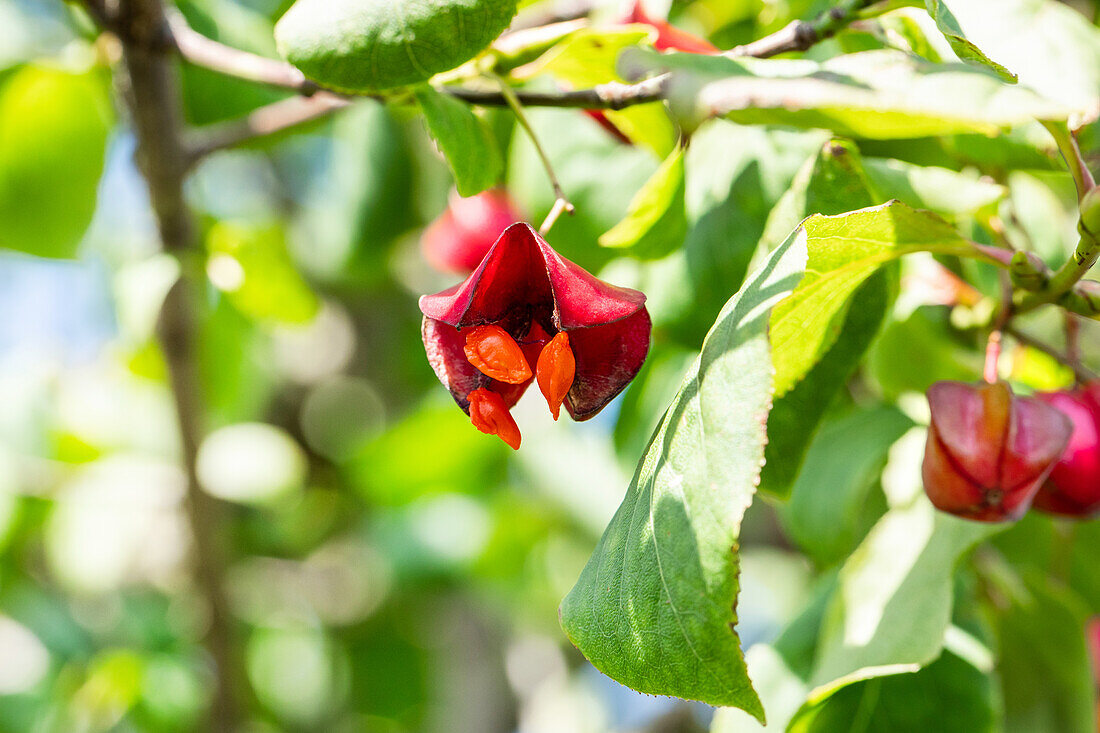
1073, 488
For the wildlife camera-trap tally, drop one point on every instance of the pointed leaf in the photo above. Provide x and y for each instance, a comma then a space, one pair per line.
655, 606
963, 48
844, 251
465, 141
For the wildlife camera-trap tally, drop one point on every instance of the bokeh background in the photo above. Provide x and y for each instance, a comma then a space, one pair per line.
387, 567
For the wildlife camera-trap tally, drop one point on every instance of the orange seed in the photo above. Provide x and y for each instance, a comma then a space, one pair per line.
497, 355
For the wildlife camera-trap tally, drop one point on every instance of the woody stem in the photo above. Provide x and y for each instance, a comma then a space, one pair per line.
561, 201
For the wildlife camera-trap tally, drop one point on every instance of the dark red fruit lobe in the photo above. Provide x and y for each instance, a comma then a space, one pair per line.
988, 450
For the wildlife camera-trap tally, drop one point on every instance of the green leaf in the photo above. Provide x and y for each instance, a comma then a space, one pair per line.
251, 264
831, 182
1052, 47
1044, 662
892, 607
949, 695
654, 607
655, 222
735, 175
826, 513
844, 251
53, 137
374, 45
911, 354
587, 58
795, 416
940, 190
465, 141
878, 94
964, 49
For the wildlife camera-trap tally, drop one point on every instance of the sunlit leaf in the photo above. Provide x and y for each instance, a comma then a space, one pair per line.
655, 223
874, 94
963, 48
655, 606
53, 136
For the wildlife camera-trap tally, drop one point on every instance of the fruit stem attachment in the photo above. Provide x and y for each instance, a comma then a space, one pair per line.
561, 201
1071, 152
992, 356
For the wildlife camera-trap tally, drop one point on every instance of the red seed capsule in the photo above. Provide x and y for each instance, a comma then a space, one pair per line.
1073, 488
988, 451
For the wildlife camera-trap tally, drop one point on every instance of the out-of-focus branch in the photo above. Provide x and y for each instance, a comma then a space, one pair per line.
1081, 372
152, 94
801, 35
202, 51
267, 120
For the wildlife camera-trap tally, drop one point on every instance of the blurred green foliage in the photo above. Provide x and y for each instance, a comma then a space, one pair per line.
388, 567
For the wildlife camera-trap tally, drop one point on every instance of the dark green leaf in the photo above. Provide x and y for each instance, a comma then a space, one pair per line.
1044, 663
373, 45
465, 141
825, 514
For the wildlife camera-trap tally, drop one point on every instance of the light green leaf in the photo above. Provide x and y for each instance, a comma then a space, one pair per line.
825, 514
844, 251
465, 141
1051, 46
587, 58
373, 45
1044, 662
892, 607
944, 191
832, 182
655, 606
964, 49
53, 137
655, 222
735, 175
879, 94
251, 264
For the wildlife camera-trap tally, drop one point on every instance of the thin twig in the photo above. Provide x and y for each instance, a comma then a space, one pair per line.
208, 53
561, 201
152, 94
1081, 372
268, 120
801, 35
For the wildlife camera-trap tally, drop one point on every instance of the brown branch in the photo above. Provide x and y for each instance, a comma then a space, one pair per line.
208, 53
801, 35
152, 94
268, 120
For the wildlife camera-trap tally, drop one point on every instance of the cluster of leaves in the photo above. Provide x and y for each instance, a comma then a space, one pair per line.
805, 229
